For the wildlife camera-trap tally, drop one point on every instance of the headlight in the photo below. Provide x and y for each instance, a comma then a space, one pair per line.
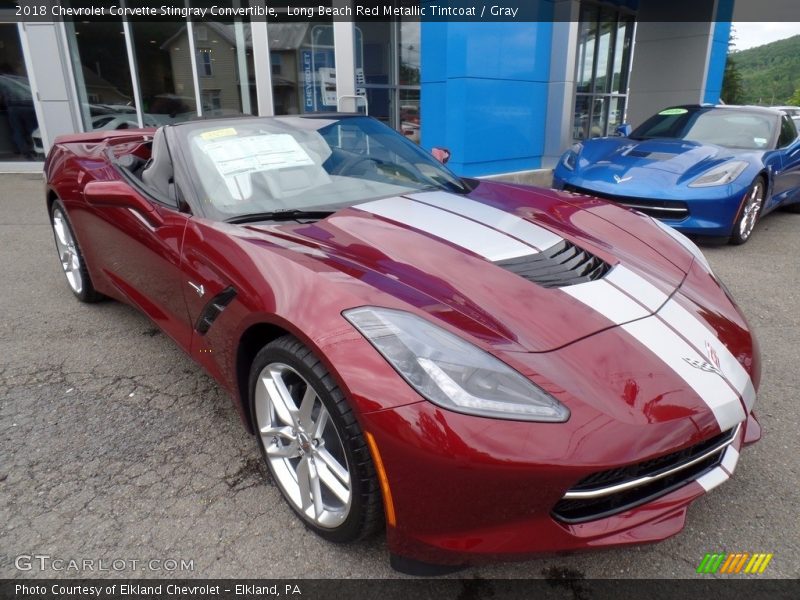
720, 175
451, 372
686, 243
570, 159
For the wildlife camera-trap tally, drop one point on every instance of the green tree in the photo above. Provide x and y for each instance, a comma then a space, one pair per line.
732, 86
795, 99
771, 72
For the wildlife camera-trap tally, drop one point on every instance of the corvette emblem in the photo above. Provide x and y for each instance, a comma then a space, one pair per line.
619, 179
712, 355
702, 365
198, 288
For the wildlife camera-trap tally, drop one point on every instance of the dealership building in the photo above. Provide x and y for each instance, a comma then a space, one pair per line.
503, 97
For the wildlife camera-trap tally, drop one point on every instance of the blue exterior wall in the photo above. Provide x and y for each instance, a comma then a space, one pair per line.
484, 93
719, 51
484, 87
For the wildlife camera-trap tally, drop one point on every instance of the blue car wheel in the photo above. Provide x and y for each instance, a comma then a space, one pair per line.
749, 212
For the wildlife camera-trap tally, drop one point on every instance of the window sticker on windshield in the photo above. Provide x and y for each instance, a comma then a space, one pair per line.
760, 141
673, 111
256, 153
218, 133
236, 158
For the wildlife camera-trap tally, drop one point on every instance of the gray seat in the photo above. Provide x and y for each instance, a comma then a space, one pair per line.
158, 174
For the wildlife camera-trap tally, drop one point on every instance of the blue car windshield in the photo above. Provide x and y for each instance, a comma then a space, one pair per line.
731, 128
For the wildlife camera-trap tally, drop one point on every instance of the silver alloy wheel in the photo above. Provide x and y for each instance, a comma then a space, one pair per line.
751, 210
67, 252
305, 452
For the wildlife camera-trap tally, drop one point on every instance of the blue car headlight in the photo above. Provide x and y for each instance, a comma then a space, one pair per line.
451, 372
720, 175
570, 158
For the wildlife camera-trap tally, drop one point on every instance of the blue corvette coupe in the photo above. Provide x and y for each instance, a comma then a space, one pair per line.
703, 169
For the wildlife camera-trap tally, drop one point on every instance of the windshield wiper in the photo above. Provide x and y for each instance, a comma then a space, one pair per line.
280, 215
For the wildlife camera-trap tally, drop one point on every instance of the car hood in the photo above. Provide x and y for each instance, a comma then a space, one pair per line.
468, 260
625, 166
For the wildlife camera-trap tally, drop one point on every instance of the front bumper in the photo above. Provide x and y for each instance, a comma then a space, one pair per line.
464, 493
711, 211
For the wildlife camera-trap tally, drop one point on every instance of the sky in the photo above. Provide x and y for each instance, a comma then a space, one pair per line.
750, 34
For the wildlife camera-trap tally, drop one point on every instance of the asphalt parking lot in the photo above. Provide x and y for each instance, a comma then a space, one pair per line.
116, 446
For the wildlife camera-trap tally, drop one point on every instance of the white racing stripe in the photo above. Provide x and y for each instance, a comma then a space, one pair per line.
530, 233
730, 459
607, 300
713, 478
703, 338
475, 237
678, 355
637, 287
676, 336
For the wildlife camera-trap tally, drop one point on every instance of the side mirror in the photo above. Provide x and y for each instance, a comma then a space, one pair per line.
119, 194
624, 130
441, 154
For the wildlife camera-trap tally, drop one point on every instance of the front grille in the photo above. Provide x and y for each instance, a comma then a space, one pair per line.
605, 493
674, 210
561, 265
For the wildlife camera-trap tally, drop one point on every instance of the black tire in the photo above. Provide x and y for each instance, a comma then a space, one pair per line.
84, 291
749, 212
365, 516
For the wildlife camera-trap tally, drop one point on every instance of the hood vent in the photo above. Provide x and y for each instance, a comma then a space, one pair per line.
651, 155
558, 266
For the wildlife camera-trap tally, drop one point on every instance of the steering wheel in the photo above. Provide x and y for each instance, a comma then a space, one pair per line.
349, 165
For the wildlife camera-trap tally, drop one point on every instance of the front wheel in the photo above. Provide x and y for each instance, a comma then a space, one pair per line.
70, 256
749, 212
312, 443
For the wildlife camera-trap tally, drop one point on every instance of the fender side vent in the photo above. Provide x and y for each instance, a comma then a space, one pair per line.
558, 266
213, 309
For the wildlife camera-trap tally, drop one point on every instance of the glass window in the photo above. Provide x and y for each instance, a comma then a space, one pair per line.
375, 68
788, 132
409, 114
409, 79
204, 62
212, 100
599, 116
616, 113
276, 60
586, 41
225, 67
163, 56
303, 65
409, 44
602, 67
622, 50
102, 74
605, 50
580, 128
388, 72
20, 138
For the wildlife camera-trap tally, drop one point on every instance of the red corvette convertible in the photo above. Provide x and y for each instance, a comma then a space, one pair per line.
486, 370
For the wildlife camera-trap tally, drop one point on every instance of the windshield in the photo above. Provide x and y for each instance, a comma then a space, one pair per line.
721, 126
262, 165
